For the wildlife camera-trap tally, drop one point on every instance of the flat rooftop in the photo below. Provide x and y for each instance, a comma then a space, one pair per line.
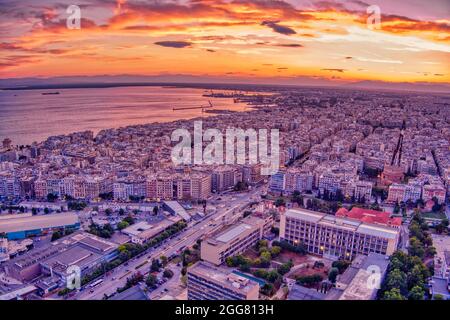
38, 222
302, 293
357, 276
232, 232
222, 277
137, 228
146, 230
342, 223
76, 255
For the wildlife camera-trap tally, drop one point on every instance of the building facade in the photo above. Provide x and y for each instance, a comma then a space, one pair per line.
328, 235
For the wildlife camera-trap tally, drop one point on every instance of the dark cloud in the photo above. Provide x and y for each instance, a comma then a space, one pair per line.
289, 45
334, 70
278, 28
210, 50
348, 58
174, 44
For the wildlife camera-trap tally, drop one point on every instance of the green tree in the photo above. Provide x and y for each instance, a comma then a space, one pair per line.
332, 274
265, 257
56, 235
155, 265
393, 294
122, 225
275, 251
341, 265
416, 293
416, 248
168, 273
280, 202
151, 281
397, 279
163, 260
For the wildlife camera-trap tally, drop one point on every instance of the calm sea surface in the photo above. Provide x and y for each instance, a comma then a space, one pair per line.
27, 116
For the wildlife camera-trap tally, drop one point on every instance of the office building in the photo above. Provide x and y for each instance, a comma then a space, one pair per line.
207, 282
332, 236
234, 239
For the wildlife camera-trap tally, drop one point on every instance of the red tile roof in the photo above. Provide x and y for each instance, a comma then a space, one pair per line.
369, 216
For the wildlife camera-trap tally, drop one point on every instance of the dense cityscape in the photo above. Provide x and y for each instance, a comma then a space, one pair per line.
358, 209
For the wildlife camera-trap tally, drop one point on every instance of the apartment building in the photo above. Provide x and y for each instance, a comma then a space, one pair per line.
404, 192
224, 178
329, 235
207, 282
235, 239
200, 186
430, 191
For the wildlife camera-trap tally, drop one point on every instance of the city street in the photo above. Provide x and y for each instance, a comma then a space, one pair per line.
118, 277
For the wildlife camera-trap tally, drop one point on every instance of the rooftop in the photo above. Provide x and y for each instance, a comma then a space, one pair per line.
302, 293
223, 277
369, 216
343, 223
38, 222
232, 232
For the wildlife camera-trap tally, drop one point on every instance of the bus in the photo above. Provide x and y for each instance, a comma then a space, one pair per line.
96, 283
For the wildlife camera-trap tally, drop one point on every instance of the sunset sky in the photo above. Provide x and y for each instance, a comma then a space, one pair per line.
267, 39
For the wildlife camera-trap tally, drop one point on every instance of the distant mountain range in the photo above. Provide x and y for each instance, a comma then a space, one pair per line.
102, 81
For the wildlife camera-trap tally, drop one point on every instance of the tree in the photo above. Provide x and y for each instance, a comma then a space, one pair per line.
52, 197
108, 212
280, 202
416, 248
416, 293
265, 257
163, 260
151, 281
285, 267
155, 210
129, 220
393, 294
275, 251
309, 280
267, 289
397, 279
56, 235
332, 274
168, 273
341, 265
122, 225
155, 265
121, 212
